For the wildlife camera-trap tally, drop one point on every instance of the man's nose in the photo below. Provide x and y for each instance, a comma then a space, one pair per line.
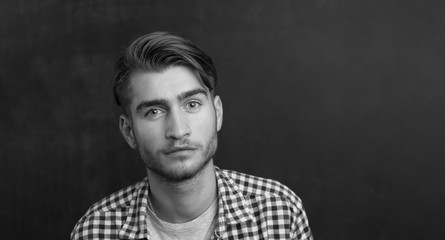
177, 125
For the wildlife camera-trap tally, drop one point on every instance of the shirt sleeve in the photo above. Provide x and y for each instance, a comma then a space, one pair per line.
302, 230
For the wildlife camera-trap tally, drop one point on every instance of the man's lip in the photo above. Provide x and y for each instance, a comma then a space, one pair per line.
178, 149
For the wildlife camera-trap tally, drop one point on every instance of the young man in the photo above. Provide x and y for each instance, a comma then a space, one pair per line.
171, 115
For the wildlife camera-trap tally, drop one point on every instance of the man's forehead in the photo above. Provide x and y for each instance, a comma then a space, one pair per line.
166, 84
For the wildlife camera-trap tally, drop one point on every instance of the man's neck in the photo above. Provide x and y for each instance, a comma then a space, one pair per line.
184, 201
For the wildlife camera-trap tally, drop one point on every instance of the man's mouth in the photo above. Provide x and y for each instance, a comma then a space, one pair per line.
178, 149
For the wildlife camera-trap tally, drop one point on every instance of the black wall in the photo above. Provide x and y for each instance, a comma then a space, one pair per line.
343, 101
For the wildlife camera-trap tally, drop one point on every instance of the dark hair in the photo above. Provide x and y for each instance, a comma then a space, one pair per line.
156, 52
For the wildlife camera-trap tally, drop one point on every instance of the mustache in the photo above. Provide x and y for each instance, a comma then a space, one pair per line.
183, 144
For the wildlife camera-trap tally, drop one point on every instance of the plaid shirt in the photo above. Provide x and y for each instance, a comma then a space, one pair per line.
249, 207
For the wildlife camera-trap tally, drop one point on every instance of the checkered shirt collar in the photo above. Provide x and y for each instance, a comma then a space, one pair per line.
232, 208
135, 224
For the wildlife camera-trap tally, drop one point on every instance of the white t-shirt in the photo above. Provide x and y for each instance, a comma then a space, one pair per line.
200, 228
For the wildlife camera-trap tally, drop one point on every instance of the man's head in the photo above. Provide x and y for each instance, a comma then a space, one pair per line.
155, 52
166, 88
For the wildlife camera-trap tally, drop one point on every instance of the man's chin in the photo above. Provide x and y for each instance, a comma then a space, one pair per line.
179, 171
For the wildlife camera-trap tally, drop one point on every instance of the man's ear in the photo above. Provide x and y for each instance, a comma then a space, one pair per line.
127, 130
219, 112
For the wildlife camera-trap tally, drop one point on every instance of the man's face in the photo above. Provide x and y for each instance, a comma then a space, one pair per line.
174, 122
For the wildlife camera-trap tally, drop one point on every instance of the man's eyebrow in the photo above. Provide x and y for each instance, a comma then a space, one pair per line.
190, 93
146, 104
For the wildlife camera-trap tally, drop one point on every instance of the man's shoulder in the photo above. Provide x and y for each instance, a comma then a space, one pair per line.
116, 201
259, 188
270, 208
110, 211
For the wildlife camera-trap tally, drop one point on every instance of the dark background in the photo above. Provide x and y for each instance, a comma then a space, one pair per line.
343, 101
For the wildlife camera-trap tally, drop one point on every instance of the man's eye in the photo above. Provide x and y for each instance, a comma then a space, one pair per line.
153, 112
193, 105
